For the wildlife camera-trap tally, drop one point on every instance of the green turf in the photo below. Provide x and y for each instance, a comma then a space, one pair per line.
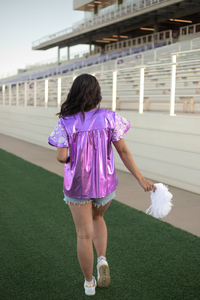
148, 258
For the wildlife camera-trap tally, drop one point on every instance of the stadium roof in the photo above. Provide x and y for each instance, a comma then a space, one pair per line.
125, 24
86, 5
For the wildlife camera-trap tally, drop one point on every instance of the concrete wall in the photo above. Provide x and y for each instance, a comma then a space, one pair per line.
31, 124
165, 149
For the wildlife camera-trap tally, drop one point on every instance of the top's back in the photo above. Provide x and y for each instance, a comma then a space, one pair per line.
89, 170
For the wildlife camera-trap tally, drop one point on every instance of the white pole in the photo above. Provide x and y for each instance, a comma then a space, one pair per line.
9, 94
3, 90
59, 93
173, 85
114, 92
141, 100
46, 92
17, 94
25, 93
35, 93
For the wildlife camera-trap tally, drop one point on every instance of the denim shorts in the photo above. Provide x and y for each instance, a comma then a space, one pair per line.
95, 201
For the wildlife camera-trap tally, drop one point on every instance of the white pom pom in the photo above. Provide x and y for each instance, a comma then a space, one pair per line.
161, 203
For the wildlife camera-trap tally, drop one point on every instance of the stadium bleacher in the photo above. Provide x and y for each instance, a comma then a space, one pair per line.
151, 51
156, 87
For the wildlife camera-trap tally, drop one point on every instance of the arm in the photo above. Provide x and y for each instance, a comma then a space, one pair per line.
61, 154
128, 161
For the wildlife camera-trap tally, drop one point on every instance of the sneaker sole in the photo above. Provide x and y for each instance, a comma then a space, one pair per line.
104, 279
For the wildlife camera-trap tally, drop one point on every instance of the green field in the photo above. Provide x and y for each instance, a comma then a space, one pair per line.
148, 258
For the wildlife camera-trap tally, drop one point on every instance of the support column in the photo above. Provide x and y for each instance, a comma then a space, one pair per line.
96, 9
155, 36
58, 55
155, 27
118, 34
68, 53
90, 48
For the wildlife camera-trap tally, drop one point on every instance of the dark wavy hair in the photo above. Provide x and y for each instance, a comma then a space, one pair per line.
84, 95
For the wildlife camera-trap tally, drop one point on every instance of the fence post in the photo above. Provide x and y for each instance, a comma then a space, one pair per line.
17, 94
35, 93
173, 85
25, 93
114, 91
141, 100
46, 92
59, 93
3, 92
9, 94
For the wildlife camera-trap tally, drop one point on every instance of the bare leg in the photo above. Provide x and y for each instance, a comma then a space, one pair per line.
99, 229
82, 215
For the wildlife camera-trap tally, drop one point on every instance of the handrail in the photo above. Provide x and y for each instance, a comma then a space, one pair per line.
187, 51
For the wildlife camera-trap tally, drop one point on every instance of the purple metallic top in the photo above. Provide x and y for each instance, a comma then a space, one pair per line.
89, 171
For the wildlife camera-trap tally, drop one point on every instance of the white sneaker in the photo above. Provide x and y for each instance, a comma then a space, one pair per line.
90, 287
103, 273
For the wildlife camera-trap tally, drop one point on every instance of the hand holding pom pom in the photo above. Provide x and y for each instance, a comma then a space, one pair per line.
161, 203
147, 185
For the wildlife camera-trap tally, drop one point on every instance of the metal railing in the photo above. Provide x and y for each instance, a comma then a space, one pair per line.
52, 92
73, 56
101, 18
191, 29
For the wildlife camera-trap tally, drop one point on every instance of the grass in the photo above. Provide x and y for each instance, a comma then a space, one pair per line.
148, 258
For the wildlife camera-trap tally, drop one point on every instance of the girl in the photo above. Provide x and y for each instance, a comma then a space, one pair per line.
83, 139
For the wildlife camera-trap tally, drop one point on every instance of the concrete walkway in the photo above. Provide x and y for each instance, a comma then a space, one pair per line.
185, 213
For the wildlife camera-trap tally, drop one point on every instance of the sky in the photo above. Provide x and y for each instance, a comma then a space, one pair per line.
23, 22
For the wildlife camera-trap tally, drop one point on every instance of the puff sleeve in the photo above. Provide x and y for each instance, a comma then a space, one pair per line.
121, 127
59, 137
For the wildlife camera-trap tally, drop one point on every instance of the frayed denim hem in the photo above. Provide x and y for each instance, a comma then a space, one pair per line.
102, 204
76, 202
97, 202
